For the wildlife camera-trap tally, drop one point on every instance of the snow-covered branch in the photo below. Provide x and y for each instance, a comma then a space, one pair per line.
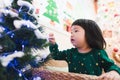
6, 59
10, 12
25, 3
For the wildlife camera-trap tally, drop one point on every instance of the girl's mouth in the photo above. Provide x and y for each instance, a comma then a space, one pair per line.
72, 40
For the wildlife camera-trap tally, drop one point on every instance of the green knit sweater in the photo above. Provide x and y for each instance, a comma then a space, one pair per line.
88, 63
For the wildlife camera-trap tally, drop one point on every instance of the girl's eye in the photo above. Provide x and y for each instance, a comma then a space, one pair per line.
76, 30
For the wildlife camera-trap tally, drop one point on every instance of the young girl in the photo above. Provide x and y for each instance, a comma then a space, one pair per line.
88, 56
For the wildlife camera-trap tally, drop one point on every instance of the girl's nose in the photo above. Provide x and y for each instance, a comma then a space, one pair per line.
71, 34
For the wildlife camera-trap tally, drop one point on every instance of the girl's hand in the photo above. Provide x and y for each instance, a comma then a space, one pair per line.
52, 38
112, 75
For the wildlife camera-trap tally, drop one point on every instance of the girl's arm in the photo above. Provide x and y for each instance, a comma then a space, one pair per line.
106, 63
58, 55
112, 70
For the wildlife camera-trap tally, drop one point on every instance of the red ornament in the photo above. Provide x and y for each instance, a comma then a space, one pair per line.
115, 15
37, 11
106, 10
115, 49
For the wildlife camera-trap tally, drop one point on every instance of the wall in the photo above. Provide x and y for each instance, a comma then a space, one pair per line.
87, 9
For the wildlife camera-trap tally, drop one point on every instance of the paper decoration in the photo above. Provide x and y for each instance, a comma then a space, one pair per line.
107, 33
51, 11
37, 11
69, 6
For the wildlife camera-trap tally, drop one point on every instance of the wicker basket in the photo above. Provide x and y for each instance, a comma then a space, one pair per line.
57, 75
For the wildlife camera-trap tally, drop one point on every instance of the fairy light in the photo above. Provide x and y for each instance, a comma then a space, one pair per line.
23, 46
37, 78
12, 35
20, 74
7, 11
1, 29
20, 9
28, 24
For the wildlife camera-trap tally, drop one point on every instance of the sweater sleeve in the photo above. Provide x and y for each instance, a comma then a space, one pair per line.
56, 54
106, 63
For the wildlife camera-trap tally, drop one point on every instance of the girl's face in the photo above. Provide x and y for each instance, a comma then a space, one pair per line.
78, 36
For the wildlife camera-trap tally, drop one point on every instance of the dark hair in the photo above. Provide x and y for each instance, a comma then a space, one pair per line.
93, 33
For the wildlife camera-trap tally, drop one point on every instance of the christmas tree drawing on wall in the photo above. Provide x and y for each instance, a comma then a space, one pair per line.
22, 42
51, 11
